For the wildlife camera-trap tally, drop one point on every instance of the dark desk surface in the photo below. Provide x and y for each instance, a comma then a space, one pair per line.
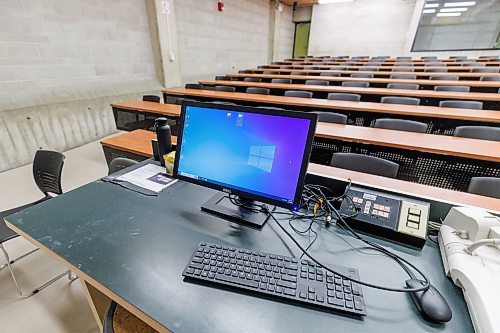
363, 91
137, 246
400, 109
422, 82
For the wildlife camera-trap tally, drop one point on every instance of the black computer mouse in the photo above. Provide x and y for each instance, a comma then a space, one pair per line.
430, 303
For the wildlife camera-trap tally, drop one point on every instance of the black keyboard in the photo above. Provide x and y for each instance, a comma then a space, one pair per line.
278, 276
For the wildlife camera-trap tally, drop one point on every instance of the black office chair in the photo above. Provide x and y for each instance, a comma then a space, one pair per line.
362, 76
401, 125
429, 58
458, 57
474, 64
120, 163
359, 57
243, 71
338, 68
487, 186
151, 98
365, 163
286, 67
403, 86
225, 88
403, 64
344, 97
355, 84
298, 93
405, 69
478, 132
330, 74
444, 78
330, 117
317, 82
380, 57
484, 70
252, 79
490, 57
403, 77
311, 67
268, 72
400, 100
436, 70
373, 64
285, 81
259, 91
452, 88
193, 86
47, 170
403, 58
370, 69
299, 73
489, 78
222, 78
462, 104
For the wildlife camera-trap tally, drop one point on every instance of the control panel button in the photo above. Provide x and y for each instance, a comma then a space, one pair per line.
412, 225
374, 212
414, 211
414, 218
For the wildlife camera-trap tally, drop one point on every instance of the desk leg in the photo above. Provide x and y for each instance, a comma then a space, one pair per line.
98, 302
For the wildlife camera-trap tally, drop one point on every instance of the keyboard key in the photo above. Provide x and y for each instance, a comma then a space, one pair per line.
311, 297
302, 294
320, 299
290, 292
358, 303
349, 304
190, 270
287, 284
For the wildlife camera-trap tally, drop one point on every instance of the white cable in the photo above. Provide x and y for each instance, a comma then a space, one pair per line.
474, 246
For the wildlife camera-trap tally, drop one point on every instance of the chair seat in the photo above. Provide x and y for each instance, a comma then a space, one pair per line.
5, 232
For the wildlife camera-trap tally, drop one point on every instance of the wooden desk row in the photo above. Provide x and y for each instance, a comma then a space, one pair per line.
378, 73
391, 60
428, 97
408, 68
140, 144
476, 85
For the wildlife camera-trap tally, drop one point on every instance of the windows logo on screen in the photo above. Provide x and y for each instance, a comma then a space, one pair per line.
262, 157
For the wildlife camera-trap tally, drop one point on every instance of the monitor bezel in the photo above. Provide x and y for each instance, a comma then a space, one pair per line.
258, 110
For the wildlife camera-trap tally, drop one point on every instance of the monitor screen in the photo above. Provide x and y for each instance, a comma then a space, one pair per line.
255, 153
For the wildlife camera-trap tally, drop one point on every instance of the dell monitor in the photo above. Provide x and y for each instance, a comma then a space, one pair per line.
252, 155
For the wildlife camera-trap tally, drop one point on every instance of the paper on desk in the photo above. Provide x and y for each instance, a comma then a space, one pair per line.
151, 177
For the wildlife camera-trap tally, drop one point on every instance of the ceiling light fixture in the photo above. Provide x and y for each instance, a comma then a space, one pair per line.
448, 14
453, 10
429, 11
431, 5
459, 4
325, 2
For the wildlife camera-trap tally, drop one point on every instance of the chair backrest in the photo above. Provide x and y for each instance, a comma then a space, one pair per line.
489, 78
489, 57
370, 69
363, 76
256, 90
298, 73
403, 76
403, 86
193, 86
403, 64
462, 104
436, 70
372, 64
403, 58
396, 69
458, 57
151, 98
401, 125
298, 93
344, 97
330, 74
47, 169
317, 82
380, 57
225, 88
452, 88
252, 79
365, 163
355, 84
400, 100
338, 68
444, 78
120, 163
487, 186
286, 81
311, 67
268, 72
330, 117
479, 132
484, 70
286, 67
243, 71
222, 78
475, 64
429, 58
359, 57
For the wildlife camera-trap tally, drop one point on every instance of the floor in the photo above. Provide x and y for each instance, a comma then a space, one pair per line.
62, 307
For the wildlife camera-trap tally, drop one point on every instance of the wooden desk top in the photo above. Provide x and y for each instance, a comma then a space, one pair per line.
459, 74
392, 60
135, 142
469, 83
141, 145
408, 110
429, 143
151, 107
381, 68
356, 90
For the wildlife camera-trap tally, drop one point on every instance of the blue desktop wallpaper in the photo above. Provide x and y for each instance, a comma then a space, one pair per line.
256, 153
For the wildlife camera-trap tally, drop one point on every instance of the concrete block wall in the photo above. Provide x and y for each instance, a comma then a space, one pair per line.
284, 35
61, 63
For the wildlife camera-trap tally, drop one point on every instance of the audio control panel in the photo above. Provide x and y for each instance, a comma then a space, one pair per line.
386, 215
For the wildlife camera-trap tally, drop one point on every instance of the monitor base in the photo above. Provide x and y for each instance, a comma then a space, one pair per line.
220, 205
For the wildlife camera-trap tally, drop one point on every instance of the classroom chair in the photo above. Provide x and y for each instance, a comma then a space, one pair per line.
370, 69
311, 67
462, 104
487, 186
120, 163
339, 68
317, 82
252, 79
444, 78
284, 81
372, 64
193, 86
403, 76
362, 75
395, 69
244, 71
475, 64
489, 78
225, 88
490, 57
478, 132
257, 90
401, 125
403, 64
380, 57
452, 88
436, 70
299, 73
403, 86
330, 74
400, 100
344, 97
151, 98
222, 78
355, 84
331, 117
286, 67
484, 70
429, 58
298, 93
403, 58
458, 57
365, 163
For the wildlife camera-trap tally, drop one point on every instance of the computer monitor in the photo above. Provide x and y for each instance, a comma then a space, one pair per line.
255, 153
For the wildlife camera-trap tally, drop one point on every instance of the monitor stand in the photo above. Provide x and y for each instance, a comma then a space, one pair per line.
220, 205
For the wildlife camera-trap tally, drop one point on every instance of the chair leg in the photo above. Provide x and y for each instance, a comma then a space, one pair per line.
43, 286
19, 258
